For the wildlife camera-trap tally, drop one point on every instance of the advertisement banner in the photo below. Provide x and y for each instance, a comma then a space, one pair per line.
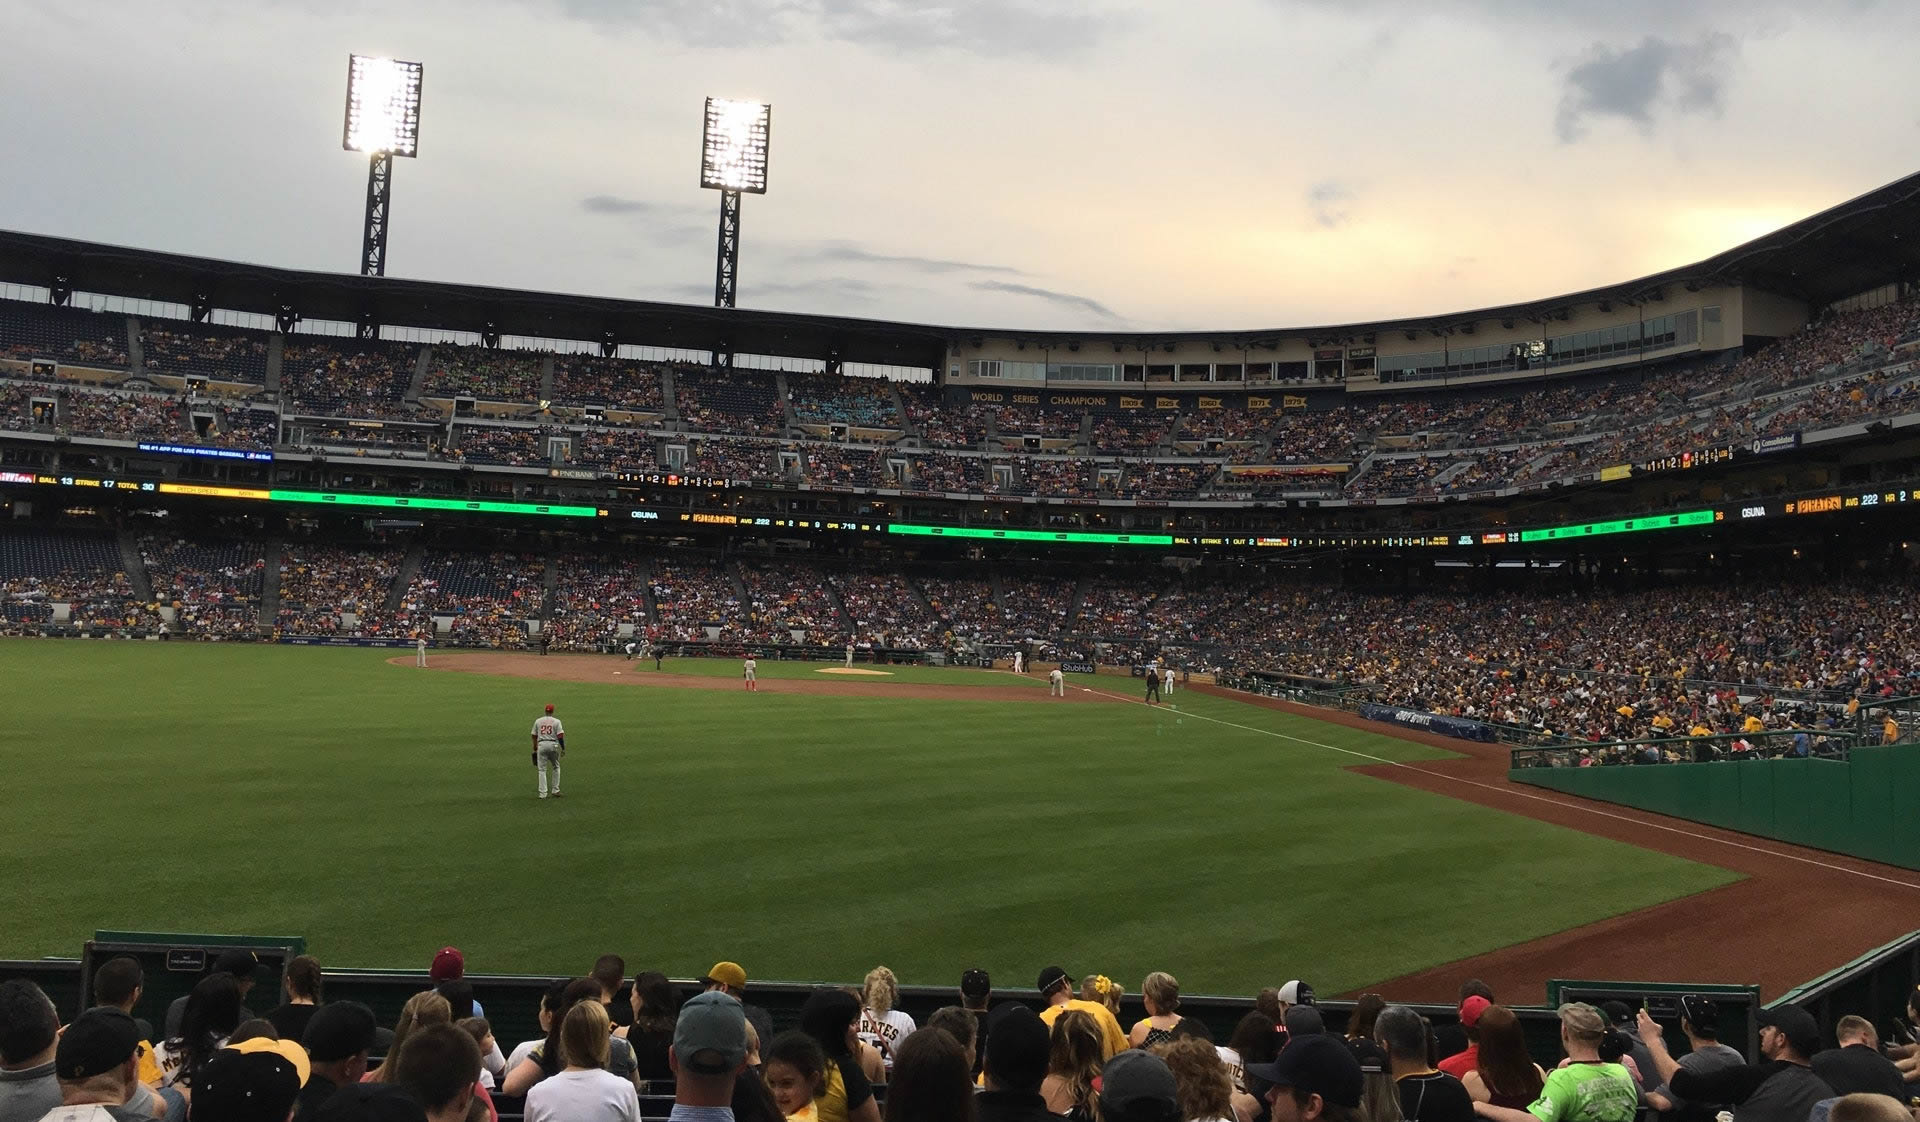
1076, 668
342, 641
1431, 722
1764, 444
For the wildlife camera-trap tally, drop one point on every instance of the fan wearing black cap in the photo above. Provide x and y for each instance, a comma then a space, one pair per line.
1700, 1021
1314, 1079
1056, 989
97, 1064
237, 962
1783, 1088
339, 1039
1015, 1066
976, 990
257, 1080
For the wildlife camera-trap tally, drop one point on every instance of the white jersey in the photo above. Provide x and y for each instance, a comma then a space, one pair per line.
885, 1031
1055, 676
749, 666
547, 730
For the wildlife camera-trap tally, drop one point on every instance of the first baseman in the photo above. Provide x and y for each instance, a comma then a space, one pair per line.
549, 745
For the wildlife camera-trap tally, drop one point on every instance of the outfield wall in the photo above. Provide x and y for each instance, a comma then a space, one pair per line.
1865, 806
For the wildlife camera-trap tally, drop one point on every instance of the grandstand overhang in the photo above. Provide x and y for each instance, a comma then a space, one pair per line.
1860, 245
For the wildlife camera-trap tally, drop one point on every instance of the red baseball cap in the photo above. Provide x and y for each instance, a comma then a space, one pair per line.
1471, 1008
549, 708
448, 965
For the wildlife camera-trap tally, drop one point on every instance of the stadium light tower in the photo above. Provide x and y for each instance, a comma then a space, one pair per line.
733, 160
383, 120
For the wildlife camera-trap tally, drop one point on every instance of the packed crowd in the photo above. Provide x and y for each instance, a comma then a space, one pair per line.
514, 446
593, 599
330, 590
887, 612
213, 587
743, 402
613, 382
340, 379
221, 355
789, 597
940, 425
691, 594
489, 596
482, 373
615, 1047
865, 402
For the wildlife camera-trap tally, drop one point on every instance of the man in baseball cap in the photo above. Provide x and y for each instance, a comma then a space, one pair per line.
256, 1080
97, 1063
339, 1039
1137, 1086
1782, 1088
1015, 1065
709, 1049
1314, 1077
237, 961
1056, 989
728, 978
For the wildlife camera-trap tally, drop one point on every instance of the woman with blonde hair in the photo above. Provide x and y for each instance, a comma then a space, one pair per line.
1162, 996
1074, 1059
881, 1025
583, 1090
1104, 990
1205, 1088
423, 1008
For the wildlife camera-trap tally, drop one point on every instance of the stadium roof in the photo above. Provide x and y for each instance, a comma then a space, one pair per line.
1861, 244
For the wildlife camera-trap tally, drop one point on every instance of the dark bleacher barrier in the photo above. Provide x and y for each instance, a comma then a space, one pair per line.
174, 963
1875, 986
1865, 805
58, 978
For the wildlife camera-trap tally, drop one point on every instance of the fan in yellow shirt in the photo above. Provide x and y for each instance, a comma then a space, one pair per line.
1753, 723
1056, 989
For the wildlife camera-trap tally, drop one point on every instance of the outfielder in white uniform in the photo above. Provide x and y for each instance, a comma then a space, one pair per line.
1019, 662
849, 654
1166, 682
420, 651
748, 671
549, 745
1056, 683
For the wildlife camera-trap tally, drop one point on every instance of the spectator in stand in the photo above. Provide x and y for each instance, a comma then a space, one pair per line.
710, 1044
1583, 1089
256, 1079
546, 1057
450, 965
882, 1025
960, 1024
1503, 1073
1782, 1089
1161, 995
830, 1017
1700, 1021
212, 1012
339, 1039
1102, 990
1074, 1060
1426, 1094
440, 1067
1056, 989
930, 1081
655, 1003
1463, 1061
422, 1009
1316, 1080
118, 983
303, 985
1255, 1040
582, 1089
609, 970
730, 978
1366, 1013
29, 1031
1015, 1067
1856, 1066
1138, 1086
97, 1065
1204, 1084
796, 1073
976, 993
236, 962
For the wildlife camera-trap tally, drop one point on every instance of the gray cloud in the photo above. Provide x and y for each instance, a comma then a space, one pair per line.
1635, 83
991, 27
1064, 299
614, 204
1328, 201
854, 253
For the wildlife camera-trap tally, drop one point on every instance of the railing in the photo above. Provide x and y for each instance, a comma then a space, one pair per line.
1826, 744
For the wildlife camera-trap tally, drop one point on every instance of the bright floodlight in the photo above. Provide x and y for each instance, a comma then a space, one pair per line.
383, 106
734, 145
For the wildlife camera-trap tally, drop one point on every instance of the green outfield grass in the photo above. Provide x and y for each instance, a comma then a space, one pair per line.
384, 811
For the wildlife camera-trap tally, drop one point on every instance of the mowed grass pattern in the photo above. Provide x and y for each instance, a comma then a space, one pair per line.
384, 811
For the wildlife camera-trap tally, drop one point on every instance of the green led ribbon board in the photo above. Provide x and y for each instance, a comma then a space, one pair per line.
1623, 526
1030, 535
330, 498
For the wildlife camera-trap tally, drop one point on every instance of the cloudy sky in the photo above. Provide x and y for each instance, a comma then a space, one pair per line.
1062, 163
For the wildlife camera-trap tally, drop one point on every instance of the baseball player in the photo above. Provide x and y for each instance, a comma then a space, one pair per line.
1153, 681
747, 671
631, 647
849, 654
1019, 662
420, 651
659, 652
1166, 681
549, 745
1056, 683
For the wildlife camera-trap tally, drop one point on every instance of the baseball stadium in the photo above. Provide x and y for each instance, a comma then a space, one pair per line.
1562, 650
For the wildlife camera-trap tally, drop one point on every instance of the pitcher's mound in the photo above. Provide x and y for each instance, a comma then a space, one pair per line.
861, 673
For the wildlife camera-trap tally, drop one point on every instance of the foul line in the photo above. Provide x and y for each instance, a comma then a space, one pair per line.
1511, 790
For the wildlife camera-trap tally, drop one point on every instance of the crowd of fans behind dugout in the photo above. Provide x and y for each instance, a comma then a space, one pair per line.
614, 1050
